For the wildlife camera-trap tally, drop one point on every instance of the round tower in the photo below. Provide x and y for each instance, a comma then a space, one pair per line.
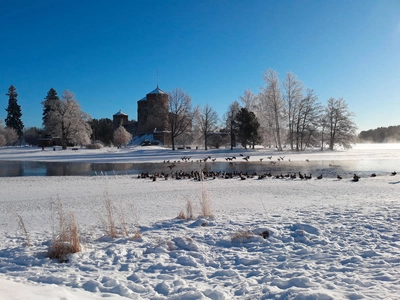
120, 119
152, 112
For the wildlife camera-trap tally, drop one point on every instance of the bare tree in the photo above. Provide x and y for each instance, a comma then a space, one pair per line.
341, 127
206, 120
292, 94
180, 115
229, 119
66, 120
121, 137
271, 105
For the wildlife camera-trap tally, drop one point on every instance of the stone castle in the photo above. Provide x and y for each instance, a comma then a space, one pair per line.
151, 117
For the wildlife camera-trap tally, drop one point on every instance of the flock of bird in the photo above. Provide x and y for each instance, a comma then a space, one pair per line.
229, 159
204, 174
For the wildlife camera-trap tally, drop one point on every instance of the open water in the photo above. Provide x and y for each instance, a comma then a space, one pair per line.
328, 168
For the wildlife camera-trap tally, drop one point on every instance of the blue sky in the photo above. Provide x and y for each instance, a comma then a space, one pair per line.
108, 52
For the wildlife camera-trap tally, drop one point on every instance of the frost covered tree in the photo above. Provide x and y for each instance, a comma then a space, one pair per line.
179, 115
339, 122
249, 100
66, 120
292, 95
271, 105
206, 120
307, 121
11, 136
229, 120
13, 119
121, 137
8, 136
2, 137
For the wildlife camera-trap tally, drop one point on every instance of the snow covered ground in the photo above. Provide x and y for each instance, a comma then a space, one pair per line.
328, 238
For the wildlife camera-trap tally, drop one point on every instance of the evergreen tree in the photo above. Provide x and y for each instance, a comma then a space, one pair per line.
50, 102
14, 114
247, 128
102, 130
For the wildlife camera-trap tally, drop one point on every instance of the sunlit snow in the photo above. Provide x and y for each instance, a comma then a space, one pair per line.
328, 238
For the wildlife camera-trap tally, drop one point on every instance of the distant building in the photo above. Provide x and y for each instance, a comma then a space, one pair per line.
151, 113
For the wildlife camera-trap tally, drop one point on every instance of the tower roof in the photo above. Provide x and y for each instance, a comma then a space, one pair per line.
156, 91
120, 113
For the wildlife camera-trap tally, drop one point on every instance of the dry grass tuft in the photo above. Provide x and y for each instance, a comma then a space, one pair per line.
189, 210
182, 215
23, 228
205, 203
115, 222
137, 234
108, 222
65, 236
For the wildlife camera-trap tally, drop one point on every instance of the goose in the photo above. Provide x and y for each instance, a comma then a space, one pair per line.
373, 175
394, 173
319, 177
339, 177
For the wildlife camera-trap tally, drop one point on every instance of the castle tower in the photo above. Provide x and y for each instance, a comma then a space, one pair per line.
152, 111
120, 119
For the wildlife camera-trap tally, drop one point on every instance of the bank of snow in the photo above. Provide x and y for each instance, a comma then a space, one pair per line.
329, 239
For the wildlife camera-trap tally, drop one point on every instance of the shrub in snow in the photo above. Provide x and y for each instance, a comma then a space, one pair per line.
95, 146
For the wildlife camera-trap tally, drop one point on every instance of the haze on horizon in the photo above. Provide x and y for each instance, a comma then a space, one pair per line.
111, 54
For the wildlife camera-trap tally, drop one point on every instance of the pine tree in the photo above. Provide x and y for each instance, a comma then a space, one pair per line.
49, 103
14, 114
247, 128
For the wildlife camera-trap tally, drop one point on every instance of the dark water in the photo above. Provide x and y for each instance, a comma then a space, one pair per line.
328, 168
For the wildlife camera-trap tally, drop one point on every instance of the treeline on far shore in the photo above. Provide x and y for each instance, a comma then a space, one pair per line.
381, 135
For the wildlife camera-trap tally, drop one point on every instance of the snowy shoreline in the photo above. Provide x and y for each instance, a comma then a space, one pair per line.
329, 239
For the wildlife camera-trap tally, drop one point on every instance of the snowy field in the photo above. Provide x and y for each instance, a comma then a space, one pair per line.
328, 238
